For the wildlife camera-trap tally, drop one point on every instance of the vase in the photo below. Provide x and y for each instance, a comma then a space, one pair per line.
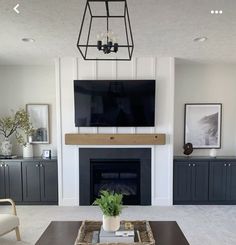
28, 150
6, 147
111, 223
212, 153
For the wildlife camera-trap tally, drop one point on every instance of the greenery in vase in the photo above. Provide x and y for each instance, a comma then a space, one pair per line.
110, 203
18, 124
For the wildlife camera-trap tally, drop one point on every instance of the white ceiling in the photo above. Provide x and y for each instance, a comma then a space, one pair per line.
160, 27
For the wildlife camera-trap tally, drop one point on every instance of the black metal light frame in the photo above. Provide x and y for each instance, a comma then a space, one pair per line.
128, 30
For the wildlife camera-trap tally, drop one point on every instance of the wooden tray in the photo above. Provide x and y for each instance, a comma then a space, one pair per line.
88, 227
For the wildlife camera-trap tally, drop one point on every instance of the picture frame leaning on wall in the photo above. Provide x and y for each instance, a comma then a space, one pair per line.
39, 117
202, 125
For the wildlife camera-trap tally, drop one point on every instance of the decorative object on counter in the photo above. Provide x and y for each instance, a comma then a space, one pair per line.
8, 157
28, 150
46, 154
111, 205
203, 125
89, 234
6, 147
18, 125
38, 114
188, 149
212, 152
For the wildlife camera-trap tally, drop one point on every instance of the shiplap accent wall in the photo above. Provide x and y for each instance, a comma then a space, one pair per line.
161, 69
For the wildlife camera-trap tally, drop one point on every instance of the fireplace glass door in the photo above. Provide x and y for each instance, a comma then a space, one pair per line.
120, 176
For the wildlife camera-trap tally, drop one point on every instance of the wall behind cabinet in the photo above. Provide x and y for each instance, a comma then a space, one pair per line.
202, 83
20, 85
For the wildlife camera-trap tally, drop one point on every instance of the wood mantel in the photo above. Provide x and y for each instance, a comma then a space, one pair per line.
115, 139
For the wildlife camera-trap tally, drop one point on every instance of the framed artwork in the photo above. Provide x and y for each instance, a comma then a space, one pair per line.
46, 154
202, 125
38, 114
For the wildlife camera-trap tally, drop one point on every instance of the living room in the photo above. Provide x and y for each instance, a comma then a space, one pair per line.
185, 50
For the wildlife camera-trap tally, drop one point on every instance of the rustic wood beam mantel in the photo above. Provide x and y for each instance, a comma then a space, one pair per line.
115, 139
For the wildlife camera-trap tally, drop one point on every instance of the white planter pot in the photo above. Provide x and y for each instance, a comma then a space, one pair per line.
111, 223
6, 147
28, 150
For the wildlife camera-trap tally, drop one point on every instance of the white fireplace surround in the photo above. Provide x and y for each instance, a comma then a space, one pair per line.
160, 69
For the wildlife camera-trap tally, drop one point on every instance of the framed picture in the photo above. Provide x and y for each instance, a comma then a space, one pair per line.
203, 125
46, 154
38, 114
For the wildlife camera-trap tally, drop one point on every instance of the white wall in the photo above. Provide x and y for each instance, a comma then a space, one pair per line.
68, 69
20, 85
195, 83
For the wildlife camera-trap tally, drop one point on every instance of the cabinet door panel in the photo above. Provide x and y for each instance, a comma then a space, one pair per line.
2, 181
182, 181
13, 181
200, 181
48, 177
231, 185
217, 182
31, 182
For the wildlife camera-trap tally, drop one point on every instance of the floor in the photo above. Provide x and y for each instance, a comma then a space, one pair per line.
202, 225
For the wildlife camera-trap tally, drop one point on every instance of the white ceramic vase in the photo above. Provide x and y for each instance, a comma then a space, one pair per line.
111, 223
28, 150
212, 153
6, 147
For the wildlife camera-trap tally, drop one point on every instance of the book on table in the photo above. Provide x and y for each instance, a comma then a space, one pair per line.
122, 235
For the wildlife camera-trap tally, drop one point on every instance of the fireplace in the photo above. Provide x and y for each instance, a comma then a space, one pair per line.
123, 170
121, 176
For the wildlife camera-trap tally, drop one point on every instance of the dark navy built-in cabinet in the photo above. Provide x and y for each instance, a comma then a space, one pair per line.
29, 181
204, 180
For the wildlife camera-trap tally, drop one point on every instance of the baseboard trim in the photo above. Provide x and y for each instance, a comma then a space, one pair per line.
69, 202
161, 202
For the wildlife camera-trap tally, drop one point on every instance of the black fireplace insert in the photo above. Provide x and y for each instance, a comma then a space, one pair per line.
123, 170
120, 176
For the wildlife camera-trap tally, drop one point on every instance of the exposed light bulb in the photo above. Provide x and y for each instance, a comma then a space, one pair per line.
98, 37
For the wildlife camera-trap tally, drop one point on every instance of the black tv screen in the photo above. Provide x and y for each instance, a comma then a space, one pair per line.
114, 103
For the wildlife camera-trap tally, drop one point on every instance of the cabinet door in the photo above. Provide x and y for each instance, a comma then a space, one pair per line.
49, 180
2, 181
13, 179
182, 181
199, 181
218, 180
231, 181
31, 181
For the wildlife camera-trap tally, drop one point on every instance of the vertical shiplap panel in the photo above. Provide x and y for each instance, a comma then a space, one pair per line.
125, 72
69, 154
107, 71
145, 70
76, 77
165, 111
87, 70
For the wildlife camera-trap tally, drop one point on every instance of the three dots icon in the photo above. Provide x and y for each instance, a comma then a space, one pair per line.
216, 12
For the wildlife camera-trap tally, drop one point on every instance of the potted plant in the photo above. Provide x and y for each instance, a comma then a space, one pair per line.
111, 206
18, 125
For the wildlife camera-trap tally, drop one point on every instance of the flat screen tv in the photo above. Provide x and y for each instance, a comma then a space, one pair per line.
114, 103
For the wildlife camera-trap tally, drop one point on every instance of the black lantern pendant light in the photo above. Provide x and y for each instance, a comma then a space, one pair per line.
105, 32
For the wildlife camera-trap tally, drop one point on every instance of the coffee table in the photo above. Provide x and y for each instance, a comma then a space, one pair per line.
65, 233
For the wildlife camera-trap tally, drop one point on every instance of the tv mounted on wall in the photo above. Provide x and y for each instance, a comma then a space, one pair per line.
114, 103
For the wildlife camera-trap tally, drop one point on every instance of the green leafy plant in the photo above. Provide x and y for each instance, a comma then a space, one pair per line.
110, 203
18, 124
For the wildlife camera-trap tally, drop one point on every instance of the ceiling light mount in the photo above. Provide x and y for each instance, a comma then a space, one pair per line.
200, 39
96, 39
28, 40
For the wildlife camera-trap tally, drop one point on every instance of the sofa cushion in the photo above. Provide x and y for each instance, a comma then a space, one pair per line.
8, 222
